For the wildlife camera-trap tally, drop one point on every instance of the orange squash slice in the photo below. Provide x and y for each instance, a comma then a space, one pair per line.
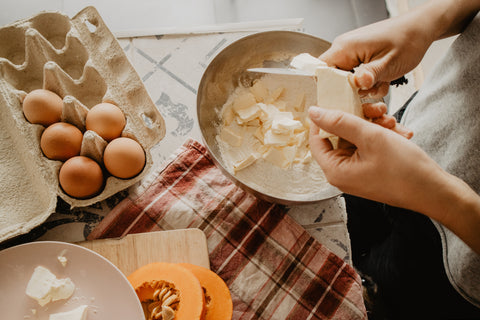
168, 291
217, 296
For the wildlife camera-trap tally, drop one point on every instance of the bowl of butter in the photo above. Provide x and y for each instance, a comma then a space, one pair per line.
255, 125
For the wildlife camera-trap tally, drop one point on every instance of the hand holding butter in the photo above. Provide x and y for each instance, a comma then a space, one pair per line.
264, 135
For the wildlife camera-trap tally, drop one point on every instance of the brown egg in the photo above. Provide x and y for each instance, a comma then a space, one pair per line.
124, 158
107, 120
61, 141
81, 177
42, 107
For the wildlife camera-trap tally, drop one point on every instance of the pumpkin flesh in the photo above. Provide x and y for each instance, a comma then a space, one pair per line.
218, 299
149, 280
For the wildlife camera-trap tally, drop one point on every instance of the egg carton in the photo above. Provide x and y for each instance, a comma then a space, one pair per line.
80, 60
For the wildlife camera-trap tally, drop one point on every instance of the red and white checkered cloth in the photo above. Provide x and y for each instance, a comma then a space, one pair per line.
273, 267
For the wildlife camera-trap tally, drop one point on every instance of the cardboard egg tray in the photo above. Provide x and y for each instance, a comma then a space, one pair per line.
81, 61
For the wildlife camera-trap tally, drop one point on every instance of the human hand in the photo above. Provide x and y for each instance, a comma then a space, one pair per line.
383, 166
377, 164
377, 112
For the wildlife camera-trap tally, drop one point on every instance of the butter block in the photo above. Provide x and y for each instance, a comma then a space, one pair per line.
44, 286
299, 104
335, 91
79, 313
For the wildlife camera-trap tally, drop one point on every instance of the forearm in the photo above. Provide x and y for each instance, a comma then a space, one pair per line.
444, 18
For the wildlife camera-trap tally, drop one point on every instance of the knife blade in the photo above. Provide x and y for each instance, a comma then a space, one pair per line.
283, 71
295, 72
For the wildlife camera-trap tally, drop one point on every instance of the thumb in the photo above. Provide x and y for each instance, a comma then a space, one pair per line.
368, 74
344, 125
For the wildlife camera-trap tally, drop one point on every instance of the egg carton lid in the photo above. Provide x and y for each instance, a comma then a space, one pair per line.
29, 187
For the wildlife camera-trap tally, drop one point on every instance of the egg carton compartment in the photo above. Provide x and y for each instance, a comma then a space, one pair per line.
80, 60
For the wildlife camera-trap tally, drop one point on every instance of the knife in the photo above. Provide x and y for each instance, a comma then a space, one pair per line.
284, 71
296, 72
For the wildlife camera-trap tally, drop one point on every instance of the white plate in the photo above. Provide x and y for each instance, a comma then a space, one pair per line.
99, 284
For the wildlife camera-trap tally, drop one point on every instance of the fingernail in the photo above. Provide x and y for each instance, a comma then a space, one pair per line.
314, 112
363, 79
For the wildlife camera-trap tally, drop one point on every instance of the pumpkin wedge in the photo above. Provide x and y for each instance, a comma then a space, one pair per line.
217, 296
168, 291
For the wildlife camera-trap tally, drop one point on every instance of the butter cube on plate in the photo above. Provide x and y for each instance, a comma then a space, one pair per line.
44, 286
79, 313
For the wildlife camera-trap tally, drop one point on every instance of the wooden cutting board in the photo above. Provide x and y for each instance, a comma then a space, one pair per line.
135, 250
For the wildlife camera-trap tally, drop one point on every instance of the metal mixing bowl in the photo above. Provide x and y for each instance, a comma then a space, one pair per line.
228, 70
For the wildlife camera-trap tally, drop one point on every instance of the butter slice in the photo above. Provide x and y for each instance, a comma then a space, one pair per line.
45, 287
276, 140
268, 112
79, 313
231, 137
243, 101
242, 164
281, 157
249, 113
284, 125
307, 63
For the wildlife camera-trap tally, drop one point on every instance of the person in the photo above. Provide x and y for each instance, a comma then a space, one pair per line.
413, 205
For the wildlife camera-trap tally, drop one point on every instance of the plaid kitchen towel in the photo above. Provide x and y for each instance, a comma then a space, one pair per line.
273, 267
